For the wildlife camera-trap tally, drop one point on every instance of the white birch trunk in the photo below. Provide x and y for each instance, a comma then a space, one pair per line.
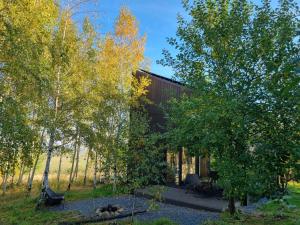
28, 178
20, 180
72, 167
53, 129
59, 169
86, 167
99, 170
95, 172
49, 155
77, 163
32, 173
4, 185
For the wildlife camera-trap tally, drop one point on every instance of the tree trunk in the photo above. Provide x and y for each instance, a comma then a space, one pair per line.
86, 167
12, 179
115, 177
180, 166
28, 178
49, 155
20, 180
197, 165
72, 168
59, 169
4, 185
100, 170
75, 174
3, 177
95, 172
231, 206
31, 177
244, 200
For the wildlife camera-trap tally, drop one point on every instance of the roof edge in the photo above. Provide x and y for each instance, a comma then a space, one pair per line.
162, 77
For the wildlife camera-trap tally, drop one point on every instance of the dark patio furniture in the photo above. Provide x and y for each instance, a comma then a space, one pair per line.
213, 177
53, 198
192, 181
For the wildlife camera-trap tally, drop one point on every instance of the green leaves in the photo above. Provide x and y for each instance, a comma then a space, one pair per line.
238, 60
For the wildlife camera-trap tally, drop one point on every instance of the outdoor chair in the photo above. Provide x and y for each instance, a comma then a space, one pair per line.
192, 182
53, 198
213, 177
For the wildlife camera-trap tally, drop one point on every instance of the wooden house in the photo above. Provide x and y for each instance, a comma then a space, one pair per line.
160, 91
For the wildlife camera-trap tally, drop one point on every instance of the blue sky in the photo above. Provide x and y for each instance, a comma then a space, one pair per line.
157, 19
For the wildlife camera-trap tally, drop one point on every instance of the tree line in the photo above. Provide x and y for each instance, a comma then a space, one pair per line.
63, 87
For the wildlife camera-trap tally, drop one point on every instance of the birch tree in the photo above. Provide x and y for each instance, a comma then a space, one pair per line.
120, 55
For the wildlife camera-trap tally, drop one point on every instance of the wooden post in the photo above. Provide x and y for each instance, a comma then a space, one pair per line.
204, 167
197, 165
180, 166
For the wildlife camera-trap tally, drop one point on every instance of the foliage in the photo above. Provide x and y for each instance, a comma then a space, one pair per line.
144, 157
119, 55
62, 87
238, 60
23, 59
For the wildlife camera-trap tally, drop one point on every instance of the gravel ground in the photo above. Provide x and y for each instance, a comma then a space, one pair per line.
180, 215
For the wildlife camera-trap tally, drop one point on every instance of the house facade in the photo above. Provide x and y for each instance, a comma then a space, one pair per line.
160, 91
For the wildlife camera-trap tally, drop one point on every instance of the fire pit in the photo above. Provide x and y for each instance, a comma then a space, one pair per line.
109, 211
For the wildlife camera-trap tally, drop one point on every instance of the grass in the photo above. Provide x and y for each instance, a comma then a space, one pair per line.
277, 212
17, 208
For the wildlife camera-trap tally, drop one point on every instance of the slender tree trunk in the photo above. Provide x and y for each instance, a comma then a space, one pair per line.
32, 172
4, 185
115, 177
59, 169
86, 167
49, 155
95, 172
31, 177
28, 178
99, 170
3, 177
75, 174
244, 200
72, 167
12, 179
231, 205
20, 180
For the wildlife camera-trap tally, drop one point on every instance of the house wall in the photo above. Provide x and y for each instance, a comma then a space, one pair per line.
160, 91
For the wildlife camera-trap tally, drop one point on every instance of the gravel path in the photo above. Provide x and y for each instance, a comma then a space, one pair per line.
180, 215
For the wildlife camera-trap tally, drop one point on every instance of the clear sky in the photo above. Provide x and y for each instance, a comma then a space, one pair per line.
157, 19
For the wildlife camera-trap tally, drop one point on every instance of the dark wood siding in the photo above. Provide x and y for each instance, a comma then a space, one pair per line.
160, 91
